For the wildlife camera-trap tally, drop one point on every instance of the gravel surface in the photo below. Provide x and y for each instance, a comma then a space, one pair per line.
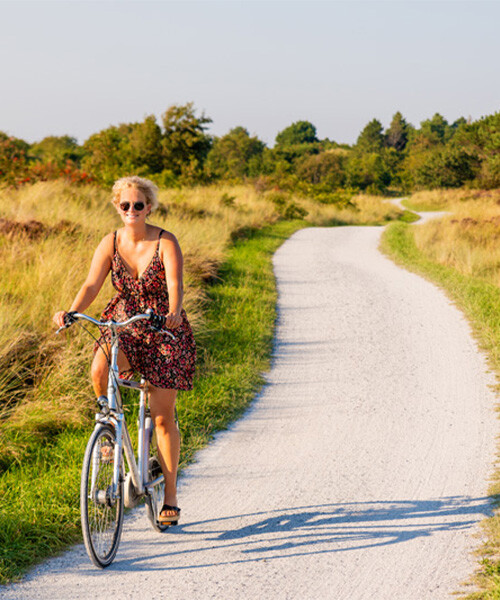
360, 471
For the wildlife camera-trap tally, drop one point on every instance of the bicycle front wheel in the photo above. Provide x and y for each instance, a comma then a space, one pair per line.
101, 510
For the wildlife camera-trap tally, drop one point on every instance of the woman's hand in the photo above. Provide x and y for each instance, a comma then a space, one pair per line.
173, 320
58, 318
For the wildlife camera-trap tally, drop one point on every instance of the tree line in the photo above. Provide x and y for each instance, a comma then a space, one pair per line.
180, 151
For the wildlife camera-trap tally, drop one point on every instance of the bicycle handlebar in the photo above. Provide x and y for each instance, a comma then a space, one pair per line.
157, 321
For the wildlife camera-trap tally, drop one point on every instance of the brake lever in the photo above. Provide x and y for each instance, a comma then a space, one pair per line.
157, 330
174, 339
69, 320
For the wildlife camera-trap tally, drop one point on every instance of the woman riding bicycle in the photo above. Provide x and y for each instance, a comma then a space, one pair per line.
146, 270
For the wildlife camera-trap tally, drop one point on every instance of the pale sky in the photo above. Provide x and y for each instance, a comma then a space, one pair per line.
73, 67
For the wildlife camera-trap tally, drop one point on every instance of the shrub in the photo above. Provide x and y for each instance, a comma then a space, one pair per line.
286, 207
327, 168
294, 211
227, 200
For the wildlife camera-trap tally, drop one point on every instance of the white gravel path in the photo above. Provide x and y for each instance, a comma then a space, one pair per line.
361, 470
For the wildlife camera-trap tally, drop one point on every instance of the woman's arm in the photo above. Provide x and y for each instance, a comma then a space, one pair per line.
173, 263
99, 269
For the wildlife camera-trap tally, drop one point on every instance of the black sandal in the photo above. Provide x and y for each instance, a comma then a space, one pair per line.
169, 519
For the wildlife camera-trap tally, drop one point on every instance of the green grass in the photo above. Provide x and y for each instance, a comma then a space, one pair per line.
480, 302
408, 216
421, 206
39, 498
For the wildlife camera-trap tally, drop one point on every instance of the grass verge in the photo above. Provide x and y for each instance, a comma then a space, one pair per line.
39, 500
480, 301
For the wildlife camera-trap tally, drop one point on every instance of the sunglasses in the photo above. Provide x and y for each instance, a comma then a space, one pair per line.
138, 206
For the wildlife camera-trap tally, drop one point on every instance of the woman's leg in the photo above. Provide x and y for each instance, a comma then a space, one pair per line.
162, 405
99, 370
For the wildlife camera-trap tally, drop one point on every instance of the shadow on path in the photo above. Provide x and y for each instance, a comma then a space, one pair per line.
300, 531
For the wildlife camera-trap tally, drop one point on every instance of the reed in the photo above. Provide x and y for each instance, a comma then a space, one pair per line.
467, 239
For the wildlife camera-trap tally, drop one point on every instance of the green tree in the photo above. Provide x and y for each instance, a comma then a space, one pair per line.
371, 138
482, 136
397, 135
435, 129
185, 144
489, 173
301, 132
326, 168
145, 146
57, 150
368, 171
13, 159
230, 155
433, 132
447, 166
105, 154
130, 148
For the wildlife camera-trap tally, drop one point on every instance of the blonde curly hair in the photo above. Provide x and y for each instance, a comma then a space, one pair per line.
146, 187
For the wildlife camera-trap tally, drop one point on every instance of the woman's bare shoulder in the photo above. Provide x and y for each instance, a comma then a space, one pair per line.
169, 246
107, 244
168, 237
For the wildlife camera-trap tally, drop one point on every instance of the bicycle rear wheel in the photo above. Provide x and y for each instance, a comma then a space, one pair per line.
101, 514
154, 497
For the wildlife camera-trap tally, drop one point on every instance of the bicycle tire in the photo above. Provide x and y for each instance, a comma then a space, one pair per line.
102, 518
154, 496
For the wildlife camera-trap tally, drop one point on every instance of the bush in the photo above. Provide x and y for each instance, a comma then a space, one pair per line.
286, 207
489, 175
368, 171
326, 168
445, 167
227, 200
294, 211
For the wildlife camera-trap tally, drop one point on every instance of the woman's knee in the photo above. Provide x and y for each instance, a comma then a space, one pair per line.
164, 423
162, 403
99, 369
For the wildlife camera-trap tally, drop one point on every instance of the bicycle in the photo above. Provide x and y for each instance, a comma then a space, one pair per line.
106, 487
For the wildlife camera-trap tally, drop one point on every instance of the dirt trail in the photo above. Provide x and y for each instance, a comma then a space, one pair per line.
361, 470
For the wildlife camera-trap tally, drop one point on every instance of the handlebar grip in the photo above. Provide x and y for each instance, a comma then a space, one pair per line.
157, 321
69, 318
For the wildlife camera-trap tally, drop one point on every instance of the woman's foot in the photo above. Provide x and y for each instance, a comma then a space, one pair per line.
170, 512
169, 515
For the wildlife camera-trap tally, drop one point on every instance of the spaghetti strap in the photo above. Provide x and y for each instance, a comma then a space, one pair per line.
114, 241
159, 238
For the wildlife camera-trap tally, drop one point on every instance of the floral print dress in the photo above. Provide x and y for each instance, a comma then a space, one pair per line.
164, 362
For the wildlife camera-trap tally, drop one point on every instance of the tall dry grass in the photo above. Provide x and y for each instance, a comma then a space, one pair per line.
365, 210
448, 199
468, 238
